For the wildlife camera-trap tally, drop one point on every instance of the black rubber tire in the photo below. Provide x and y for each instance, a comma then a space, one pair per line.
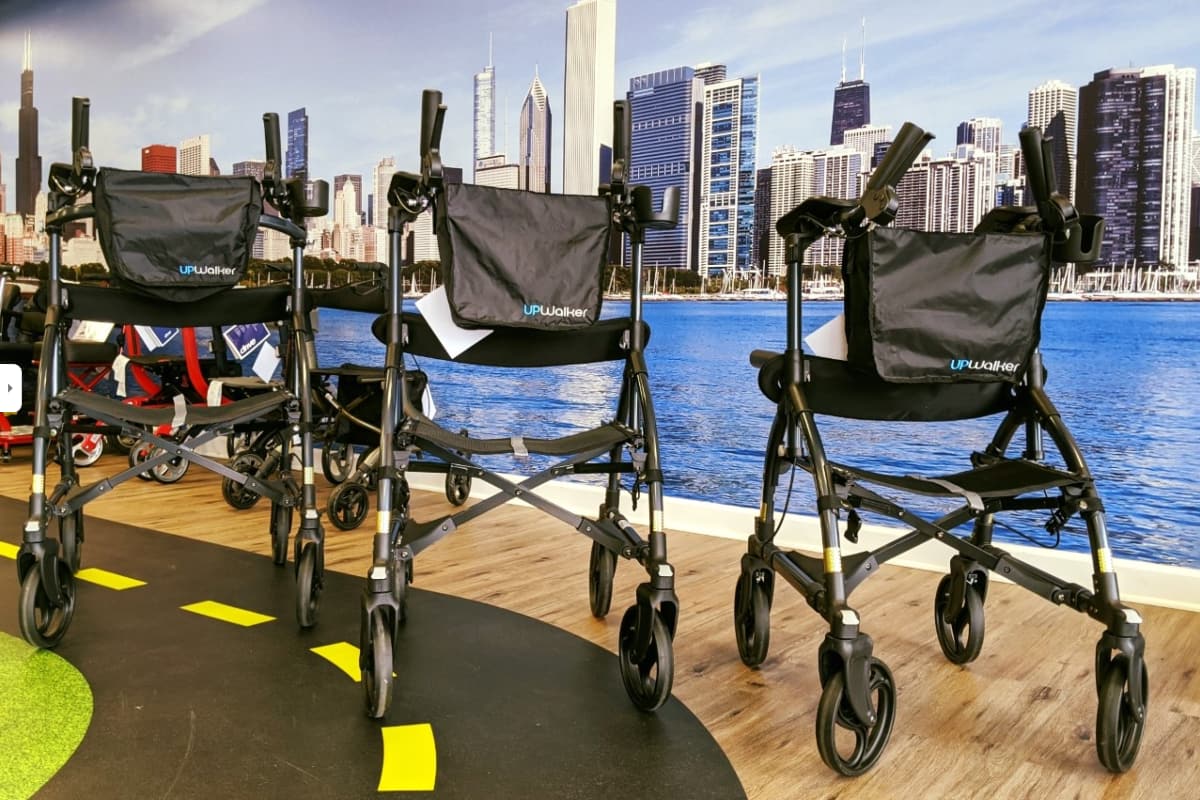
138, 455
458, 487
348, 505
648, 680
752, 620
308, 586
171, 471
337, 461
43, 625
834, 712
237, 495
70, 536
602, 565
968, 618
377, 666
1118, 727
281, 528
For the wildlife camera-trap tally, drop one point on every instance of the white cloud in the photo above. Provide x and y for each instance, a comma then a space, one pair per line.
182, 23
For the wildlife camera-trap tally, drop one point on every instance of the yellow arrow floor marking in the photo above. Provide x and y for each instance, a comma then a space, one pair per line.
342, 655
8, 550
225, 613
409, 758
108, 579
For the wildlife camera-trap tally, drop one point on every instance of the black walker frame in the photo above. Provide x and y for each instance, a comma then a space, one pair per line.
648, 626
858, 689
46, 566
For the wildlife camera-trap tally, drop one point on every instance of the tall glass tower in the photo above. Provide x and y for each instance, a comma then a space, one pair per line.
1135, 131
665, 109
297, 145
588, 85
1052, 108
728, 157
485, 113
29, 161
851, 99
536, 129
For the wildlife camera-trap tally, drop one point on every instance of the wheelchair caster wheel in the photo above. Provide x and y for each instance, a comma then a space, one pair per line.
375, 662
238, 495
950, 624
281, 528
752, 619
348, 505
1119, 724
458, 487
647, 679
337, 461
86, 448
601, 567
138, 455
869, 739
42, 623
171, 471
308, 586
70, 535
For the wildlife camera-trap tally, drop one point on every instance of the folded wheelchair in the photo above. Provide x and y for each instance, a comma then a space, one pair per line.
528, 267
939, 327
177, 246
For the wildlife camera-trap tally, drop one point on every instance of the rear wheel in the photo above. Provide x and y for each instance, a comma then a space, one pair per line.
752, 619
238, 495
70, 534
601, 567
281, 528
348, 505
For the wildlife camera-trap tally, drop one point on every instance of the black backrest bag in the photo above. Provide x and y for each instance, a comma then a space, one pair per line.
944, 307
522, 259
176, 237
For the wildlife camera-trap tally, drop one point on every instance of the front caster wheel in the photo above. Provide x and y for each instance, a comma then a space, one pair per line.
648, 679
866, 741
42, 623
170, 471
601, 567
375, 661
458, 487
281, 528
951, 624
238, 495
308, 586
348, 505
752, 619
1119, 724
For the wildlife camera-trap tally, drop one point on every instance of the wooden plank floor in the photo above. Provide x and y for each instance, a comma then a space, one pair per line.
1018, 722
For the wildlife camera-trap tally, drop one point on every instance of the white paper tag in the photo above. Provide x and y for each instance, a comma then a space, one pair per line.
88, 331
829, 340
215, 389
435, 308
265, 363
119, 365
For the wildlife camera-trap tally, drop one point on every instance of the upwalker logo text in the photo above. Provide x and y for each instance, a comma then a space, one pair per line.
538, 310
218, 270
962, 364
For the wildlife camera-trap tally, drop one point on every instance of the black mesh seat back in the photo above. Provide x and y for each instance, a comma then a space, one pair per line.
837, 388
103, 304
944, 307
366, 297
523, 347
522, 259
176, 237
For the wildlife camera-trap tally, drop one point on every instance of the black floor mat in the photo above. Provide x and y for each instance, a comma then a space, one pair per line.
190, 706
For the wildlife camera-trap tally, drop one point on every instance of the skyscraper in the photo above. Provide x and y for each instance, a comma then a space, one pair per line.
296, 157
867, 139
382, 179
764, 225
534, 138
949, 194
495, 171
985, 133
665, 110
485, 113
728, 158
195, 155
851, 99
339, 181
1052, 108
29, 161
1135, 136
588, 94
159, 158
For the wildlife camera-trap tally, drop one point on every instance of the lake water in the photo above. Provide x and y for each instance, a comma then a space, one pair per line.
1125, 376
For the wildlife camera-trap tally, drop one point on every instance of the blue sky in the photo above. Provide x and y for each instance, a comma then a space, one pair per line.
165, 70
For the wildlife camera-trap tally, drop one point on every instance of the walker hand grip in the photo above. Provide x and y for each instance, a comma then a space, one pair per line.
271, 136
621, 131
758, 358
431, 120
909, 143
1035, 164
80, 107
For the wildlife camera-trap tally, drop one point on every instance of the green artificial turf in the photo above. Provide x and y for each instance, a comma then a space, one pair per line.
45, 708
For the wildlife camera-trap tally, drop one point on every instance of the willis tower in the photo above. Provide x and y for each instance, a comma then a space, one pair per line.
29, 163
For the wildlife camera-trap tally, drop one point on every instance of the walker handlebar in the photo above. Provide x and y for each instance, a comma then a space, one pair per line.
900, 155
80, 107
271, 136
433, 112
